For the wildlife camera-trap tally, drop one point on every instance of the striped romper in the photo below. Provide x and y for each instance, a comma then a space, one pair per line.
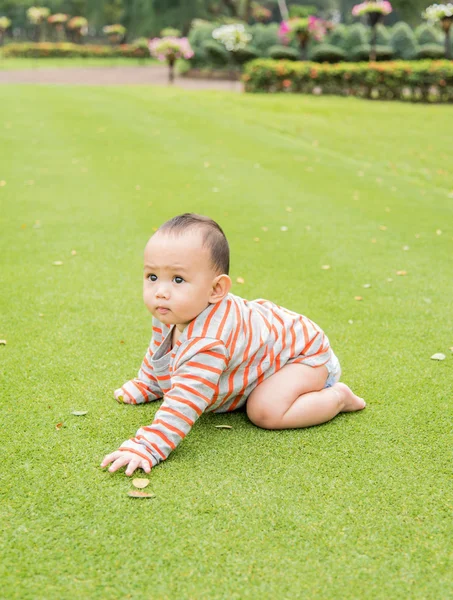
220, 357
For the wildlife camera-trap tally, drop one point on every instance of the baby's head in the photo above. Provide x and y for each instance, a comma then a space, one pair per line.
186, 267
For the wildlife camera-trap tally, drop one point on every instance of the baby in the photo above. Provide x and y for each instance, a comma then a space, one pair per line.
214, 351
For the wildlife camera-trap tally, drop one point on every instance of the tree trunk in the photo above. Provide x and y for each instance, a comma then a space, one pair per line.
171, 70
373, 43
446, 23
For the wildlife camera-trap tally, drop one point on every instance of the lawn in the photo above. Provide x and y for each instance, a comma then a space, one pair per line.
358, 508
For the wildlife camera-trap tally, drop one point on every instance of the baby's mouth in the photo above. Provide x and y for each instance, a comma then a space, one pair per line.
162, 310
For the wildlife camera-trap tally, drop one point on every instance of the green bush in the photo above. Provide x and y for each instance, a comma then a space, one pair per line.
428, 34
302, 11
68, 50
338, 37
328, 53
382, 35
245, 54
216, 53
430, 51
423, 80
362, 53
403, 41
279, 52
357, 35
264, 36
200, 34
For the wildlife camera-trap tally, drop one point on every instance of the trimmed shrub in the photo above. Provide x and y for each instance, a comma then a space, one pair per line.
420, 81
245, 54
328, 53
278, 52
264, 36
216, 53
338, 37
357, 35
201, 33
362, 53
68, 50
403, 41
428, 34
382, 35
430, 51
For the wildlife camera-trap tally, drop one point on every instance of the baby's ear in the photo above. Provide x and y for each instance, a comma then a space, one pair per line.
221, 285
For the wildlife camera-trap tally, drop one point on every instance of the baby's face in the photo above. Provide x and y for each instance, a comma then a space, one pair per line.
178, 277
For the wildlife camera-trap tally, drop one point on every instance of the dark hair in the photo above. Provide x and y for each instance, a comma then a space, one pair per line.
213, 237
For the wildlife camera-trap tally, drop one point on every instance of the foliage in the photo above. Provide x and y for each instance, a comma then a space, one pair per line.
234, 37
362, 53
382, 35
246, 54
328, 53
170, 48
279, 52
215, 53
264, 36
338, 36
37, 15
398, 80
170, 32
68, 50
357, 35
430, 51
116, 29
436, 12
4, 23
302, 12
427, 34
403, 41
57, 19
311, 26
260, 13
371, 6
77, 23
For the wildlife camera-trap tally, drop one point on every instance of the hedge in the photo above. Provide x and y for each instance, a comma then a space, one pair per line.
421, 81
68, 50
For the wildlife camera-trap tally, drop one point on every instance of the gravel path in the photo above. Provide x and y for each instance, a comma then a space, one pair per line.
112, 76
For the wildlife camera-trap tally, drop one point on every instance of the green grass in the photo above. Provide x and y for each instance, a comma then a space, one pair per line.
10, 64
357, 508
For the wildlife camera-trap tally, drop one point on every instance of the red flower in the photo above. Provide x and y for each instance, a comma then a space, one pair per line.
286, 83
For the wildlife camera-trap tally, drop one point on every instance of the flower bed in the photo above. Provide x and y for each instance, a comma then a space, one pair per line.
399, 80
67, 50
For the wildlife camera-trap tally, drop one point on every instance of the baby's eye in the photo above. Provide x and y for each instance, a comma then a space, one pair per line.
178, 279
152, 277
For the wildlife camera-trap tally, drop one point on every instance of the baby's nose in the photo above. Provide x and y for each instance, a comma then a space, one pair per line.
162, 292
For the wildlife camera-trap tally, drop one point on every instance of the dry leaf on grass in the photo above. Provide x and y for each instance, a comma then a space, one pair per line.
79, 413
438, 356
57, 263
256, 239
73, 252
383, 228
239, 280
366, 285
401, 272
283, 228
137, 494
223, 426
325, 267
2, 342
358, 298
140, 483
58, 426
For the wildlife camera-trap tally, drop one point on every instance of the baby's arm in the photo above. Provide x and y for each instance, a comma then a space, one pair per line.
195, 379
144, 388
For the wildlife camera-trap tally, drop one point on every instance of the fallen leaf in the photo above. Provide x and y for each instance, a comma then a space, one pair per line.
427, 300
121, 341
2, 183
289, 209
366, 285
58, 426
382, 227
439, 231
223, 426
373, 240
2, 342
57, 263
438, 356
206, 165
307, 227
41, 315
451, 349
257, 165
283, 228
215, 189
417, 235
79, 413
73, 252
137, 494
387, 210
256, 239
239, 280
325, 267
265, 228
350, 321
401, 272
405, 247
140, 483
138, 188
358, 298
120, 399
389, 279
360, 173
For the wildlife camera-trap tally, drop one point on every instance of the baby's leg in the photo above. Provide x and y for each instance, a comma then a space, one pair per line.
295, 397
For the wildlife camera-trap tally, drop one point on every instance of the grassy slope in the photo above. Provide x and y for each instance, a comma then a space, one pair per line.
357, 508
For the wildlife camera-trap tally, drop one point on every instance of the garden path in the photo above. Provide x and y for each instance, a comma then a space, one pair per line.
112, 76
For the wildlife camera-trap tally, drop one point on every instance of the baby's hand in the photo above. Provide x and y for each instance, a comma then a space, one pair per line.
120, 458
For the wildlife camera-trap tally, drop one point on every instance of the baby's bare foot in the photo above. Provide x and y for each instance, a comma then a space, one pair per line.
351, 401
